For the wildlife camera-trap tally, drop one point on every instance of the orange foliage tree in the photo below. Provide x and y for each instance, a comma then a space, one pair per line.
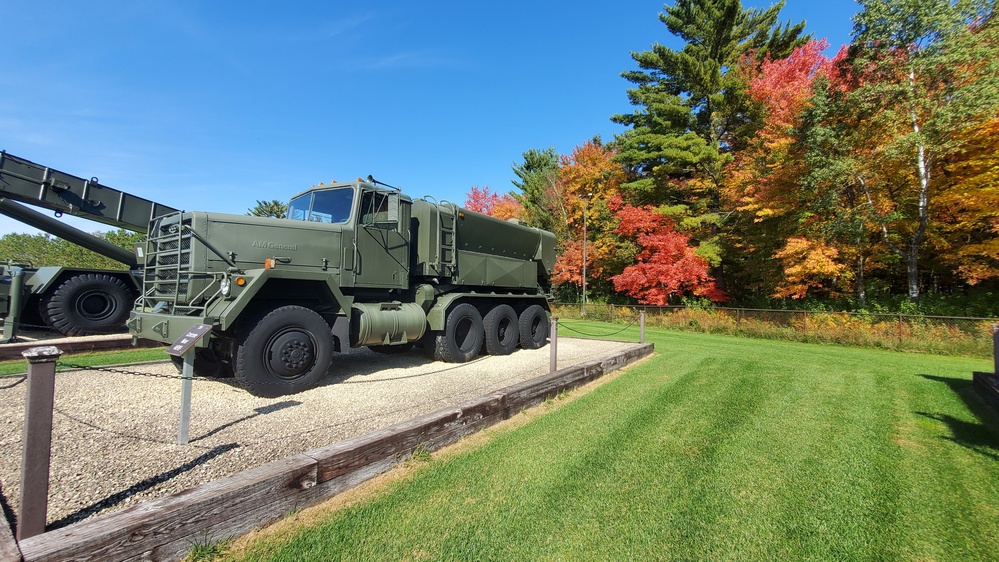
809, 265
968, 210
588, 180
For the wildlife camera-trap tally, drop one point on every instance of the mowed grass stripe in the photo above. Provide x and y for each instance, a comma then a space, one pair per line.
718, 448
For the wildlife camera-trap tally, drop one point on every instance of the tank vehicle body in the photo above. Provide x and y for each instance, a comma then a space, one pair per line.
354, 265
71, 300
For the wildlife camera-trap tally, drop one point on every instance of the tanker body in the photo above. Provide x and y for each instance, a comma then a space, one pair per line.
354, 264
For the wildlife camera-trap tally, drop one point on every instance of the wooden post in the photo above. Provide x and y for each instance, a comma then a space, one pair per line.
37, 444
900, 327
553, 352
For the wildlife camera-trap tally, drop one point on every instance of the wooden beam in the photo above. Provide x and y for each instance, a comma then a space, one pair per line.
236, 500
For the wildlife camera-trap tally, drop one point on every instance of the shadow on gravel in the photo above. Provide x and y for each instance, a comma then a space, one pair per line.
256, 412
981, 437
118, 497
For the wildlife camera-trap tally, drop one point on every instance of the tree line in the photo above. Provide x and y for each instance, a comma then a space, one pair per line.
755, 169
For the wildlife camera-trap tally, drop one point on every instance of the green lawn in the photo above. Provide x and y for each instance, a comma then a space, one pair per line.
91, 359
718, 448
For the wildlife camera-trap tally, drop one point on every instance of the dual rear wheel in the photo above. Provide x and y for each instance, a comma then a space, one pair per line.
289, 349
466, 332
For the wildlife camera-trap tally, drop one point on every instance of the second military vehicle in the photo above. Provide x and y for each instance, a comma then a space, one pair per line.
71, 300
354, 264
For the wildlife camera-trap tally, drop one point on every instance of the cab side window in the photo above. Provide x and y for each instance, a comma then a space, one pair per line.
375, 208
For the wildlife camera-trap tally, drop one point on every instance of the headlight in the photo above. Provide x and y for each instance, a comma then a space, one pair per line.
226, 286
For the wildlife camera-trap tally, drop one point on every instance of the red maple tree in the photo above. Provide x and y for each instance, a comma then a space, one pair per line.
666, 264
484, 200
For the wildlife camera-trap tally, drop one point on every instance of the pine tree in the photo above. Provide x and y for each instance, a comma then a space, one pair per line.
538, 175
690, 109
273, 208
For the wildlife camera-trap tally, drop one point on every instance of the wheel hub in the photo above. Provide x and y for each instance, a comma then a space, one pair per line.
291, 354
95, 306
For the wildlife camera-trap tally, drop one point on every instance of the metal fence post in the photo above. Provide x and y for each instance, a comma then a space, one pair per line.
13, 320
187, 376
553, 351
995, 349
37, 444
641, 326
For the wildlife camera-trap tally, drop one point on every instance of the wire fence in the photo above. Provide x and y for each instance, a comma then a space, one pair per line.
898, 332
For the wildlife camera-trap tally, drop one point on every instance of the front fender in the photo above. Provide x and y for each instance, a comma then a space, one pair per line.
230, 310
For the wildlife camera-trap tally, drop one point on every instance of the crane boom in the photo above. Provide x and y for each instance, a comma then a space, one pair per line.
27, 182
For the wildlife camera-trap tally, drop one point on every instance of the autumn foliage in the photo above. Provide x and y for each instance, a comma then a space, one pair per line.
485, 201
757, 163
666, 265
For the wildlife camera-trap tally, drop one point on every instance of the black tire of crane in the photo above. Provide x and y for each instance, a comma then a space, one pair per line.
207, 363
461, 339
285, 351
534, 326
88, 303
391, 349
501, 330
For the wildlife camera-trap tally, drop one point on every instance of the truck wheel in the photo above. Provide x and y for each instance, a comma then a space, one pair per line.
285, 351
88, 303
500, 325
461, 339
533, 327
207, 363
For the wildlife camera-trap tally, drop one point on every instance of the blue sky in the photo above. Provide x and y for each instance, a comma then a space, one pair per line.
214, 105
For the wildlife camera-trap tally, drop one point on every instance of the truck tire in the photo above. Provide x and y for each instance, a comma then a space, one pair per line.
500, 325
88, 303
533, 327
461, 339
206, 364
285, 351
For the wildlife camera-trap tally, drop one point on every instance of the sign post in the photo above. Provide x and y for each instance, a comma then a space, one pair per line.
184, 347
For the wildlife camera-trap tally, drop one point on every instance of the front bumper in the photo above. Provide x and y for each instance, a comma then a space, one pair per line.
165, 328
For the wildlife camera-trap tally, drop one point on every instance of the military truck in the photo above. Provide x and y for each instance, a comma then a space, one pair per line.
72, 301
356, 264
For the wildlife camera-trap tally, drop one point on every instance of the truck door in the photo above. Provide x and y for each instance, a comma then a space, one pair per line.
382, 241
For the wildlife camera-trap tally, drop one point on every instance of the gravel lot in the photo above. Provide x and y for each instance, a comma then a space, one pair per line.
115, 435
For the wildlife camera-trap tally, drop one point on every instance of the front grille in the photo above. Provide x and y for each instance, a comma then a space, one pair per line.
173, 280
168, 260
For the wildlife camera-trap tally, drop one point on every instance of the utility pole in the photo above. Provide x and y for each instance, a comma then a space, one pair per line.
585, 201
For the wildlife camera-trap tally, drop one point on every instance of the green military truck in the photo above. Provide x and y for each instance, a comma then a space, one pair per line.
71, 300
354, 264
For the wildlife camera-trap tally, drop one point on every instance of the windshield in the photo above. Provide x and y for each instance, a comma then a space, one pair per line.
330, 206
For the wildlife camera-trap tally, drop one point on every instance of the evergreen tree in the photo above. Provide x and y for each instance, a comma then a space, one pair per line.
690, 107
537, 178
272, 208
